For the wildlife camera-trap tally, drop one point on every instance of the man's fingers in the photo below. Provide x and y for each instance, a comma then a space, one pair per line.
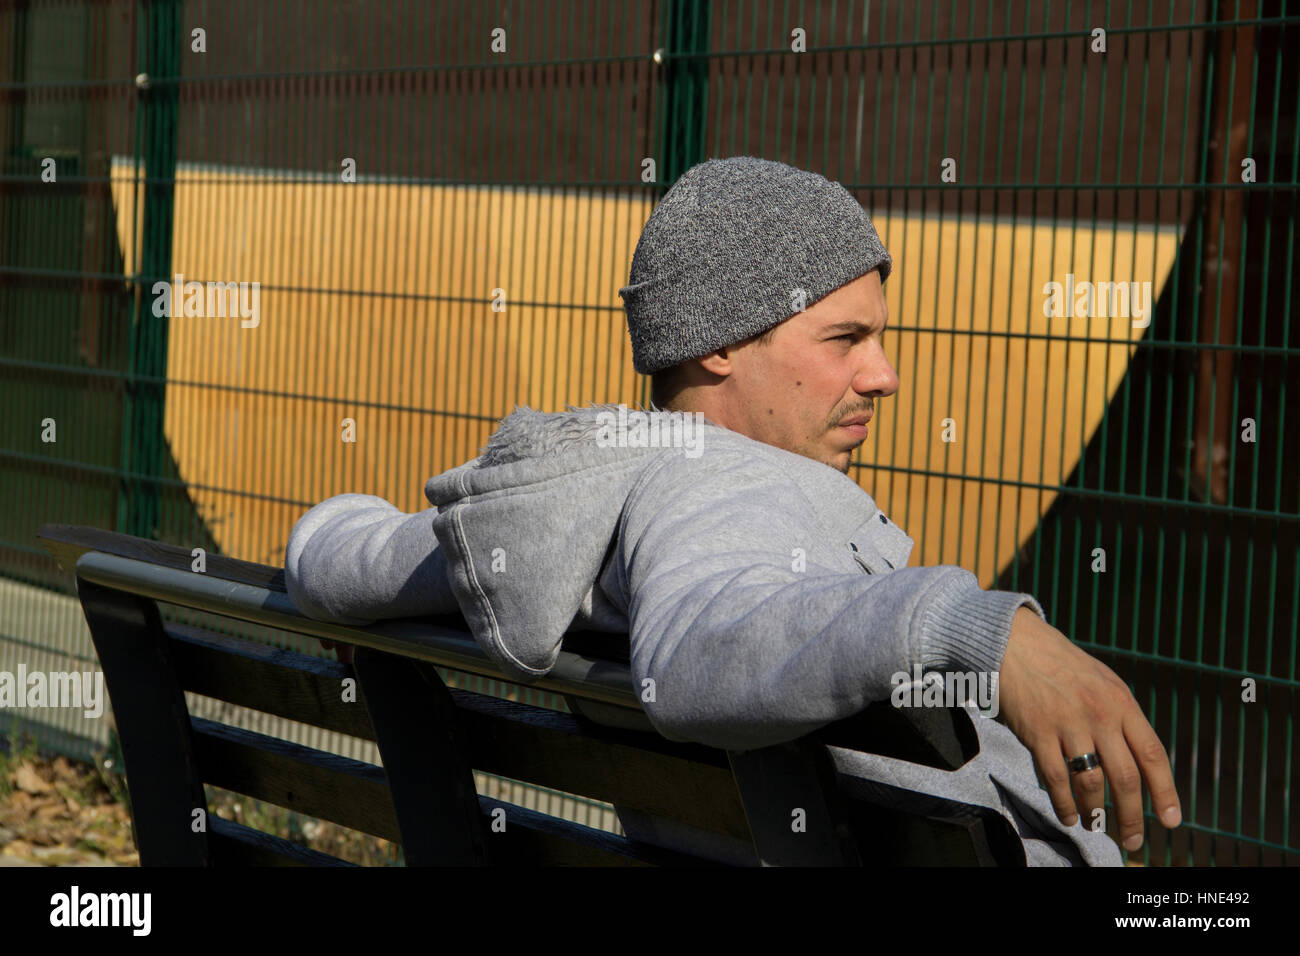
1125, 789
1057, 781
1153, 760
1089, 785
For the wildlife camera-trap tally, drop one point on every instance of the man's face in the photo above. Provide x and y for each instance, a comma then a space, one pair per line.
821, 367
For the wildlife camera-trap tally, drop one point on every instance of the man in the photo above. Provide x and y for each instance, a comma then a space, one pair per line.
764, 593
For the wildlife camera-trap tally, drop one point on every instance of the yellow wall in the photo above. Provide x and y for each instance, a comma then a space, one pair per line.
1023, 409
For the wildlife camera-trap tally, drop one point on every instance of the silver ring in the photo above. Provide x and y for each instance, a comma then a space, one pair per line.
1080, 764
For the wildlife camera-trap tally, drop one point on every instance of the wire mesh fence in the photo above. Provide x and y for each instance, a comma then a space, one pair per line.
411, 217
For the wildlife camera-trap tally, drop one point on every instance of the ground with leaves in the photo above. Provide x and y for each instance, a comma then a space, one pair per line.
57, 812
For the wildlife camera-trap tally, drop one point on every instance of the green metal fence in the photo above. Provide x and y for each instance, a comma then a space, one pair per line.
438, 202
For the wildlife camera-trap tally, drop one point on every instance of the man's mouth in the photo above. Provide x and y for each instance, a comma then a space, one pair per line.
856, 425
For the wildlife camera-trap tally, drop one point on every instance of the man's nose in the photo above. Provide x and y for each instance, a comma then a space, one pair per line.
876, 376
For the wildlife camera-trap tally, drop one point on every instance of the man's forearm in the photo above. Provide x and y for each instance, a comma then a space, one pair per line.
354, 559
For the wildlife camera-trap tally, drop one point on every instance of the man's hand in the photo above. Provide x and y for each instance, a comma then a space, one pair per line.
1062, 703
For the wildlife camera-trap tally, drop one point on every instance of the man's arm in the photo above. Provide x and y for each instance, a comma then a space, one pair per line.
746, 649
745, 652
354, 559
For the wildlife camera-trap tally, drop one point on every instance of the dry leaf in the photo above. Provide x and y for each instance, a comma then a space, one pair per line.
26, 778
41, 835
19, 848
56, 856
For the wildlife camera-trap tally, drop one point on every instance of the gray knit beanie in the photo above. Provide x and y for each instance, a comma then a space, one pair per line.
722, 255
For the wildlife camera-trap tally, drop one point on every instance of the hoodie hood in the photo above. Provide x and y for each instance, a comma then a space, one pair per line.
528, 526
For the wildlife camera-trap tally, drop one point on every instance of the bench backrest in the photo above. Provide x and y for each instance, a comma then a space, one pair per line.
683, 803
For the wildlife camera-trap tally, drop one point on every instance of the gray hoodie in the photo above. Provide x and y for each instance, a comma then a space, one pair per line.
765, 594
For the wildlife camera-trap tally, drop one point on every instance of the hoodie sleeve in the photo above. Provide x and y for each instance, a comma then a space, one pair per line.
755, 629
354, 559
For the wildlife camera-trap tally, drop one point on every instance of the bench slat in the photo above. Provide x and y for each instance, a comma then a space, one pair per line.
535, 839
266, 678
313, 782
234, 844
68, 542
529, 838
685, 782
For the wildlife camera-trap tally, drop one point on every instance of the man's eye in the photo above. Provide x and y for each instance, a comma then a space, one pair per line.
850, 335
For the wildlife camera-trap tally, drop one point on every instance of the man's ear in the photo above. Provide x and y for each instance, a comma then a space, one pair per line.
720, 362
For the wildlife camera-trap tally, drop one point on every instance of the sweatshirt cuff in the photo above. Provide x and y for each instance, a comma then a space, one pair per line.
966, 628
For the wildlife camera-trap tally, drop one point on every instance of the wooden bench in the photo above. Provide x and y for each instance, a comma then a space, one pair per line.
681, 804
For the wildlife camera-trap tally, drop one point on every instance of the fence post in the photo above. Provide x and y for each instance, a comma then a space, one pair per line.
144, 445
682, 107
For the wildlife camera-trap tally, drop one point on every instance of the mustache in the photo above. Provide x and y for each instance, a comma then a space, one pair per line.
869, 410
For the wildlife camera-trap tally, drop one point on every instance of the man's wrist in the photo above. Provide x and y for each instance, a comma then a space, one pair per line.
965, 628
